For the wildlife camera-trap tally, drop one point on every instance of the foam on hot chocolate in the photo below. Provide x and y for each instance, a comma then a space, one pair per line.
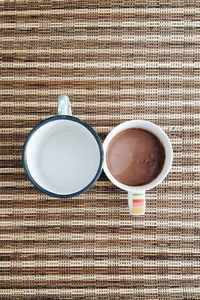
135, 157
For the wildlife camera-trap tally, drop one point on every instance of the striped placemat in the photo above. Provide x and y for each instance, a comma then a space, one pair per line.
116, 60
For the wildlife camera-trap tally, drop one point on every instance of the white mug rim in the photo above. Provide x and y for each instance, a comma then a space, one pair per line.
138, 124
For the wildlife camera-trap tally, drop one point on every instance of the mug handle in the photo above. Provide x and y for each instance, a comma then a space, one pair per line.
64, 105
136, 203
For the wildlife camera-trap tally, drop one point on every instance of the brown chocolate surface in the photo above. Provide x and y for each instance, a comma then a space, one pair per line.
135, 157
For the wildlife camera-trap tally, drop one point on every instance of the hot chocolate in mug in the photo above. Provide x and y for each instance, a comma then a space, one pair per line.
62, 155
136, 194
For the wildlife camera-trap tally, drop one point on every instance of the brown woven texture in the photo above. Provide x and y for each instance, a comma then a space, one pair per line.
116, 60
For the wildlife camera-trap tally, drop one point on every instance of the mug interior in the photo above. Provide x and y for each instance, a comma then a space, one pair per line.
157, 131
62, 156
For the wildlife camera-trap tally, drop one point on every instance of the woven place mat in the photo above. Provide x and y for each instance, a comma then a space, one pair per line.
117, 60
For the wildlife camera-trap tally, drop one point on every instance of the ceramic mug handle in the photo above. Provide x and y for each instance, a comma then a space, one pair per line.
64, 105
136, 203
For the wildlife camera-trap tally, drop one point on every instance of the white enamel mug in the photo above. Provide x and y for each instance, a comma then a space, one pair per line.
62, 155
136, 194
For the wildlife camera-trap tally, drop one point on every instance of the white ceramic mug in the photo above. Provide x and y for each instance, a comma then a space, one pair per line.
136, 194
62, 155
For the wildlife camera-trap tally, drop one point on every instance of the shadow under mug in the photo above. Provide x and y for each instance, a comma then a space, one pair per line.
62, 155
136, 194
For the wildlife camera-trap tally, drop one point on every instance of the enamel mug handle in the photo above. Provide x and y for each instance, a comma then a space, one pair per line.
64, 105
136, 203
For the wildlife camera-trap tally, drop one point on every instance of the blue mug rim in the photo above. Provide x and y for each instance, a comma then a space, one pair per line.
28, 173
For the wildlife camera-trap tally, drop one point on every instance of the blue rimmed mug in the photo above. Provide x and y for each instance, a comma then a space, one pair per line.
62, 155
